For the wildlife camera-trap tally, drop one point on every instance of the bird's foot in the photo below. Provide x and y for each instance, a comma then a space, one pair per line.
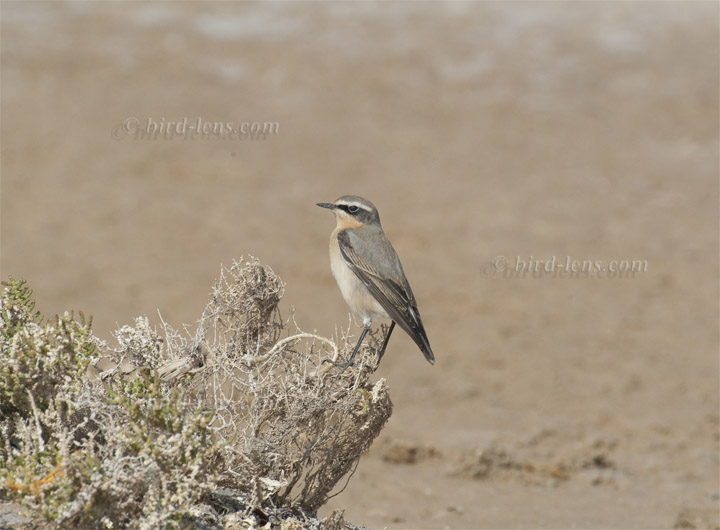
343, 366
377, 352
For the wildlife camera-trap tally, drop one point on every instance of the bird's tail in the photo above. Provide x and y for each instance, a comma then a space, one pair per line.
422, 341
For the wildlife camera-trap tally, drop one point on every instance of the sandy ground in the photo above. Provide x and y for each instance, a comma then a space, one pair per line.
484, 133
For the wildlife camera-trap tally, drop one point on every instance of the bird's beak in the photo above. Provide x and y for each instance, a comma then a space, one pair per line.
328, 205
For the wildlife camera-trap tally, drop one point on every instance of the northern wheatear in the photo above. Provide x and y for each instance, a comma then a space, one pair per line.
370, 275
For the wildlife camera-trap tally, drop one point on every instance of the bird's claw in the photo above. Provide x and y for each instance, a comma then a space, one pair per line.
343, 366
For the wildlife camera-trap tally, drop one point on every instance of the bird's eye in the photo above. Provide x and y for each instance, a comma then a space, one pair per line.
353, 209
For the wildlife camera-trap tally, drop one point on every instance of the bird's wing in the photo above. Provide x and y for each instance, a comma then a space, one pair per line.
393, 294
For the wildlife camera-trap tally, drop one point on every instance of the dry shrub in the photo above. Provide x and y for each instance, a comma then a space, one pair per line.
233, 424
293, 426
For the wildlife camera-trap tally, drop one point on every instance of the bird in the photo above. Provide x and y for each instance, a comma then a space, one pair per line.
370, 275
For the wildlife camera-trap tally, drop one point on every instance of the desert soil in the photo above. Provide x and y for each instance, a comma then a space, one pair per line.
483, 132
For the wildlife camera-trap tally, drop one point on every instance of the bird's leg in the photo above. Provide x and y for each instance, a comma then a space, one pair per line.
354, 353
385, 343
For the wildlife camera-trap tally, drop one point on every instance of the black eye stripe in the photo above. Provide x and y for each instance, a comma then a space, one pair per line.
351, 208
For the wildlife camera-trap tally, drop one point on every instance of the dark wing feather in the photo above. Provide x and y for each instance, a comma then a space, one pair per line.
395, 297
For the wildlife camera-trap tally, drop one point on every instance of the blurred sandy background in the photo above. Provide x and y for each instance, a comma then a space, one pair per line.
484, 129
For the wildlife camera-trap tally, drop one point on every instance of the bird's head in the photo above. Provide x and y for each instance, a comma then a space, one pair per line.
352, 211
